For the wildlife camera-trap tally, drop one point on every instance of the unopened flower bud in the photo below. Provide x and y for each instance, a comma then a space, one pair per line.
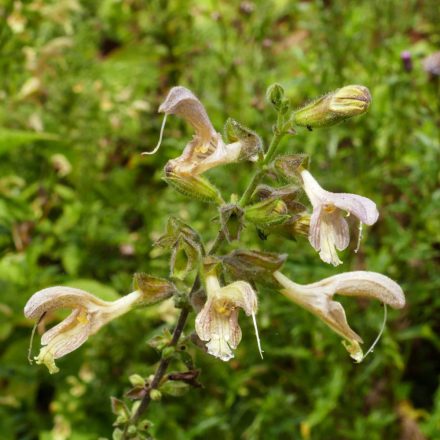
194, 187
275, 95
267, 213
181, 300
155, 395
334, 107
297, 225
168, 352
289, 194
137, 380
301, 225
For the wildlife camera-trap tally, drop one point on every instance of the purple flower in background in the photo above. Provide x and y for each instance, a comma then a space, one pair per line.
431, 64
406, 58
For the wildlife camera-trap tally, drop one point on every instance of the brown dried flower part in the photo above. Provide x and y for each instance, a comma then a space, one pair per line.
253, 265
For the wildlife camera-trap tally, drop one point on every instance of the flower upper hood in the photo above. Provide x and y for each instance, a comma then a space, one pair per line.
88, 315
217, 322
207, 149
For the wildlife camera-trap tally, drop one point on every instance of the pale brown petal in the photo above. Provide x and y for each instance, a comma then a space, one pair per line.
361, 207
88, 315
204, 321
234, 336
221, 331
369, 285
341, 233
318, 298
313, 189
182, 102
315, 229
337, 320
67, 336
242, 295
60, 297
64, 325
217, 322
332, 230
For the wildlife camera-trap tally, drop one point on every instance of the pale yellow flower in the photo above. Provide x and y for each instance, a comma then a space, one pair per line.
217, 322
317, 298
207, 149
88, 315
328, 228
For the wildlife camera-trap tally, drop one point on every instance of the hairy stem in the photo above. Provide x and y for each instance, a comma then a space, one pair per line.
162, 367
251, 188
273, 146
259, 174
165, 362
184, 313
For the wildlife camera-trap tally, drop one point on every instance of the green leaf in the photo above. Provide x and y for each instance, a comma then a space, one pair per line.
10, 139
96, 288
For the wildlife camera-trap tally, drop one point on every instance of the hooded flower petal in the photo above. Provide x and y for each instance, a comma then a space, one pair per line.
361, 207
60, 297
328, 228
217, 322
242, 295
318, 299
89, 314
366, 284
182, 102
207, 149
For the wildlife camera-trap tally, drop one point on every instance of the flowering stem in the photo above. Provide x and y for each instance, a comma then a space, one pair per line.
259, 174
251, 188
165, 362
184, 313
162, 367
273, 146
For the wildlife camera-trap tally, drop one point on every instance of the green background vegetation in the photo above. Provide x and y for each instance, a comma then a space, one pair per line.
80, 83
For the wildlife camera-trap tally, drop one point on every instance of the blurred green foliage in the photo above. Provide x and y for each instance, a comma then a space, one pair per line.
80, 85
